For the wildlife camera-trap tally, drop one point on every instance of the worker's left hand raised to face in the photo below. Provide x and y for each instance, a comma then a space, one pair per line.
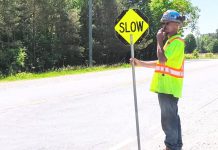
160, 35
160, 52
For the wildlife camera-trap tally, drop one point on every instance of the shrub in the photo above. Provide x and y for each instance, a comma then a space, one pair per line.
195, 54
12, 60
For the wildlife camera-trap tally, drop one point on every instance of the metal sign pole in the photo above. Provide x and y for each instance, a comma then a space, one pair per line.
135, 93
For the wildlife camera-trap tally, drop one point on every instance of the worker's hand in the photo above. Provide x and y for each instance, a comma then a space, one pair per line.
161, 35
135, 61
160, 52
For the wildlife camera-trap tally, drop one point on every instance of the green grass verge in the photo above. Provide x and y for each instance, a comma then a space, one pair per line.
201, 56
61, 72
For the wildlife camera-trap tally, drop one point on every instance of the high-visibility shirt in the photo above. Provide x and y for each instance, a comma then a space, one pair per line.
168, 78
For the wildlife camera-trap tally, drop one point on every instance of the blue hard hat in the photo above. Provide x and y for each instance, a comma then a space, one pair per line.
172, 16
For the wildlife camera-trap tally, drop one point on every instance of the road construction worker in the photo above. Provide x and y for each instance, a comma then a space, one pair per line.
167, 80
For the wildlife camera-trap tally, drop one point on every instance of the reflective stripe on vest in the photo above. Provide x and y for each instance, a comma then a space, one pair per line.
177, 73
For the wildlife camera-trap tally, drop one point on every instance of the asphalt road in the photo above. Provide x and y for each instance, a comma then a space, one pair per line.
95, 111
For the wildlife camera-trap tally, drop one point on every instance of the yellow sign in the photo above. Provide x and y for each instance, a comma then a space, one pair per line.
133, 22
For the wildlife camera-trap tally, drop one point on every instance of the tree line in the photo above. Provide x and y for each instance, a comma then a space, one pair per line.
39, 35
203, 43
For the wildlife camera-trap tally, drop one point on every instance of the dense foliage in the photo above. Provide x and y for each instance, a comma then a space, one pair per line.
40, 35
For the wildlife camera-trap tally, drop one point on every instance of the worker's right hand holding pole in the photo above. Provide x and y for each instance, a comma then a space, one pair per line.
135, 61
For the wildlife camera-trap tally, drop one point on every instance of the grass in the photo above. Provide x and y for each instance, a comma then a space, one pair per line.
61, 72
201, 56
209, 55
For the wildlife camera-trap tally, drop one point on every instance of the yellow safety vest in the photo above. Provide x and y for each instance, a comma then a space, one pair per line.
168, 78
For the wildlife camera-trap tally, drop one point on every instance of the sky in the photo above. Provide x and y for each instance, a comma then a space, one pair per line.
208, 21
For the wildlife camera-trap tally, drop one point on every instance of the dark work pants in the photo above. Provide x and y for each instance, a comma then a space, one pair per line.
170, 121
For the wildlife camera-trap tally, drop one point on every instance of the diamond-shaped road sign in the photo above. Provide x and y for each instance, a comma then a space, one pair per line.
131, 22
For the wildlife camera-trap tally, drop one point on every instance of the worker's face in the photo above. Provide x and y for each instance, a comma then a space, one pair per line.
170, 27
